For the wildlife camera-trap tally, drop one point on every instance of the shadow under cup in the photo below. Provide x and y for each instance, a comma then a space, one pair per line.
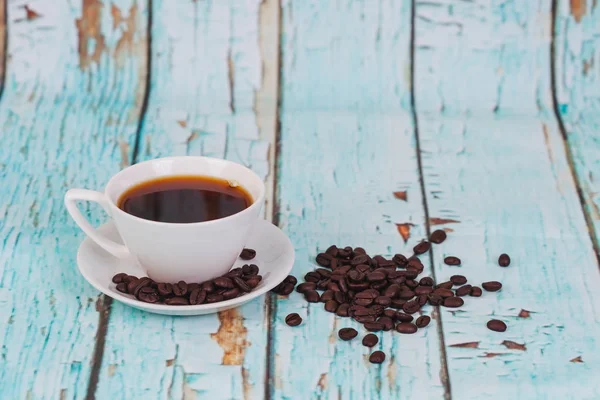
192, 252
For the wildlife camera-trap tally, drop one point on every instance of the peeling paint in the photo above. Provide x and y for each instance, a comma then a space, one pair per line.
509, 344
169, 362
30, 13
231, 336
89, 30
124, 147
524, 314
467, 345
404, 230
578, 9
247, 386
491, 355
112, 368
401, 195
577, 359
322, 384
126, 44
441, 221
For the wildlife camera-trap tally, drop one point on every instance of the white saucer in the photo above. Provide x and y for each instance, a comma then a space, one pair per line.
274, 257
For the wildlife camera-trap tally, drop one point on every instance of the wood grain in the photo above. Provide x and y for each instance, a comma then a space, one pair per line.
495, 162
64, 112
213, 92
347, 145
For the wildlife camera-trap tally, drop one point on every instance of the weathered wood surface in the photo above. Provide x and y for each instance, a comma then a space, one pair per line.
210, 94
485, 159
69, 113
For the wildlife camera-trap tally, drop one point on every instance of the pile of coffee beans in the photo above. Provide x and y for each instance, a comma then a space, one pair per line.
235, 283
383, 294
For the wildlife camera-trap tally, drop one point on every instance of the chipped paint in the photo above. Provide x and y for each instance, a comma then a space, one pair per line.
231, 336
577, 359
124, 148
246, 384
442, 221
524, 314
404, 230
578, 8
31, 14
322, 384
467, 345
126, 45
509, 344
491, 355
112, 368
401, 195
89, 30
169, 362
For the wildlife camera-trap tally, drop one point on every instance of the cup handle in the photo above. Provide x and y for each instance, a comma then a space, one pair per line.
71, 197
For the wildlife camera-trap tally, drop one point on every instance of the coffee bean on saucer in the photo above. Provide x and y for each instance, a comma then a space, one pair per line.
406, 328
331, 306
177, 301
463, 290
244, 287
234, 273
377, 357
312, 296
492, 286
231, 294
148, 295
224, 282
453, 302
129, 278
438, 236
347, 333
214, 298
253, 281
180, 288
496, 325
370, 340
164, 289
250, 270
122, 287
293, 319
504, 260
458, 280
197, 296
140, 284
422, 247
476, 291
209, 286
422, 321
248, 254
131, 285
451, 260
118, 278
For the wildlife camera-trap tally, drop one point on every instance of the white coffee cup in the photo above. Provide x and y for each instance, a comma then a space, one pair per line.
170, 252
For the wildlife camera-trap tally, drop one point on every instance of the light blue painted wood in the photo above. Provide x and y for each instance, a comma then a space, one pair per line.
347, 143
63, 115
208, 97
495, 161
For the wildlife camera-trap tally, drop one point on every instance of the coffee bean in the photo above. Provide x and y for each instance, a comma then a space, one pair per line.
423, 290
214, 298
342, 310
397, 303
224, 283
422, 247
444, 285
209, 286
243, 286
406, 294
387, 322
232, 293
363, 268
181, 288
377, 357
392, 291
122, 287
451, 260
234, 273
148, 294
177, 301
248, 254
504, 260
402, 317
360, 259
411, 283
463, 290
332, 251
359, 250
346, 252
311, 296
443, 292
131, 285
435, 300
293, 319
340, 297
118, 278
411, 307
303, 287
400, 260
453, 302
323, 284
347, 333
458, 280
492, 286
496, 325
251, 269
383, 301
312, 277
364, 318
331, 306
326, 296
387, 264
476, 291
438, 236
140, 284
375, 276
426, 281
332, 286
379, 285
422, 299
355, 276
370, 340
406, 328
415, 264
422, 321
325, 273
411, 274
197, 296
367, 294
291, 280
374, 326
343, 285
129, 278
253, 281
358, 287
324, 260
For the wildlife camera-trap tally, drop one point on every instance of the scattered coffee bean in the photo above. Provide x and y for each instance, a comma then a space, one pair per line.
496, 325
248, 254
476, 291
444, 285
347, 333
402, 317
435, 300
342, 310
422, 247
438, 236
374, 326
377, 357
118, 278
312, 296
331, 306
451, 260
492, 286
426, 281
453, 302
370, 340
504, 260
303, 287
423, 290
400, 260
458, 280
411, 307
443, 292
324, 259
463, 290
293, 319
422, 321
387, 322
406, 328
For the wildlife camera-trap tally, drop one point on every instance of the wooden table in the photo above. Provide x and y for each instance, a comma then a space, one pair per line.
373, 123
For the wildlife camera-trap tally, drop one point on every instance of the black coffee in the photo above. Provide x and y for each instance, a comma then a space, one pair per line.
184, 199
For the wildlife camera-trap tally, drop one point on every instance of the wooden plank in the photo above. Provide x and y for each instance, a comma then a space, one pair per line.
496, 172
68, 113
213, 92
577, 89
347, 145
